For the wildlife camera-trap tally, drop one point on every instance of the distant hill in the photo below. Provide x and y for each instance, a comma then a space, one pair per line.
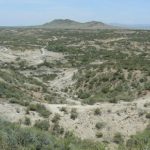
70, 24
134, 26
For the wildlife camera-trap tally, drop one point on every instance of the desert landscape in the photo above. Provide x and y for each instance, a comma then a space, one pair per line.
84, 88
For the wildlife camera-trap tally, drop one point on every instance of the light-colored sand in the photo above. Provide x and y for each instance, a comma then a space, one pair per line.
123, 117
32, 57
16, 113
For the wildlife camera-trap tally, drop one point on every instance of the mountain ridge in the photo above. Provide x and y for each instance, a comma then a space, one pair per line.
71, 24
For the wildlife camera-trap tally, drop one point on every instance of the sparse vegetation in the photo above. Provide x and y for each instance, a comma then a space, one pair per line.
57, 129
87, 66
42, 124
64, 109
97, 111
74, 113
56, 118
148, 115
118, 138
15, 138
41, 109
99, 125
27, 121
139, 141
99, 134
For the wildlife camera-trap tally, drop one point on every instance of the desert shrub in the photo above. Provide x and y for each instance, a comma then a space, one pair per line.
118, 138
57, 129
16, 138
27, 121
97, 111
113, 100
64, 109
41, 109
74, 113
32, 107
18, 101
83, 95
11, 92
147, 86
148, 127
56, 118
48, 77
100, 125
99, 134
140, 141
148, 116
147, 105
42, 124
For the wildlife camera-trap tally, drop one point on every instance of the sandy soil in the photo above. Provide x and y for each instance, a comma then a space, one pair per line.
32, 57
16, 113
124, 117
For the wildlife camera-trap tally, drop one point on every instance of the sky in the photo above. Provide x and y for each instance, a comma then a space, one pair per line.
36, 12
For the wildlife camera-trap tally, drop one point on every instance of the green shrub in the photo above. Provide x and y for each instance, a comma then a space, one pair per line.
140, 141
42, 124
148, 127
100, 125
57, 129
113, 100
148, 115
32, 107
97, 111
27, 121
147, 105
147, 86
99, 134
64, 109
41, 109
74, 113
56, 118
118, 138
83, 95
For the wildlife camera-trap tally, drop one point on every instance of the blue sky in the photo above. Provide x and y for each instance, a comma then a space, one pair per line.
32, 12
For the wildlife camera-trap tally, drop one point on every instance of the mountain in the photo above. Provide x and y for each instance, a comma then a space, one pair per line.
70, 24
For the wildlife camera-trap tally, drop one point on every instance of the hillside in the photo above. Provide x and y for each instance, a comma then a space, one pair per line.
85, 89
70, 24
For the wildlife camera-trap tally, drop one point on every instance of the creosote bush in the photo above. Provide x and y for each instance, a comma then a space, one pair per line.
97, 111
74, 113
